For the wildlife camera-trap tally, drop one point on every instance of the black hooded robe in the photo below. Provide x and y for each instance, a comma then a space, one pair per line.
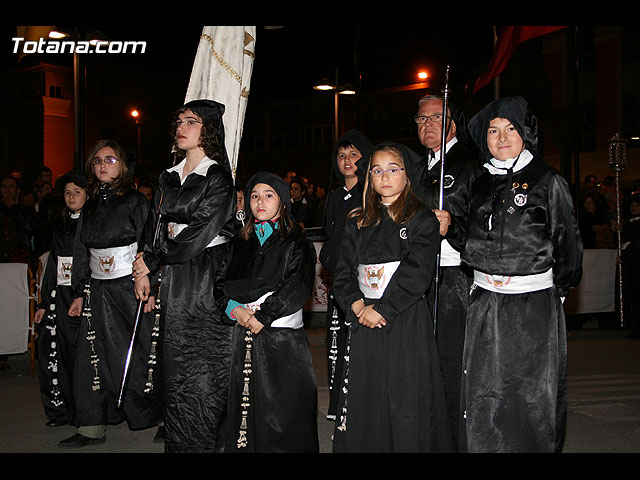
112, 220
462, 167
57, 331
281, 402
514, 396
339, 203
391, 397
196, 345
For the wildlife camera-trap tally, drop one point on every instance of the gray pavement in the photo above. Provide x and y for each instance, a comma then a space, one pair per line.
603, 414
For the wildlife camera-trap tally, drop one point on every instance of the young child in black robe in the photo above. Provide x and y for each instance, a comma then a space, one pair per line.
57, 331
270, 275
392, 397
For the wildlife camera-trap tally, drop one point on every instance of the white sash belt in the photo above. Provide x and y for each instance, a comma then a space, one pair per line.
63, 272
116, 262
290, 321
522, 284
173, 229
374, 278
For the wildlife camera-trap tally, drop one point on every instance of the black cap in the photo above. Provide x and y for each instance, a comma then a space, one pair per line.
514, 109
76, 176
276, 182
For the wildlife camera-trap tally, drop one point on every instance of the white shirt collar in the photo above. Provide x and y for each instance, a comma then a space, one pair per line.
438, 155
497, 167
201, 169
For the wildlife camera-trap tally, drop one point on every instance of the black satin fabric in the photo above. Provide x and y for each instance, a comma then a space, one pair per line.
285, 265
525, 239
514, 390
282, 386
63, 350
283, 397
196, 345
461, 168
113, 309
394, 397
455, 283
112, 220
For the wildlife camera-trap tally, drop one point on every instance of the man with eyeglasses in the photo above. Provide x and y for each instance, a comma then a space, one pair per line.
461, 167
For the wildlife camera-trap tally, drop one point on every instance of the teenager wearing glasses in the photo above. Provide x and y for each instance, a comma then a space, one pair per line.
110, 227
193, 213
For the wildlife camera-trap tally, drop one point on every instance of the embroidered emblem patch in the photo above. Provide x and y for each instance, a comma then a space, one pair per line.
65, 270
107, 264
374, 277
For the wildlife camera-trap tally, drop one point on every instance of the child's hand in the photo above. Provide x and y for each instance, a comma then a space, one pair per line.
357, 307
254, 325
368, 317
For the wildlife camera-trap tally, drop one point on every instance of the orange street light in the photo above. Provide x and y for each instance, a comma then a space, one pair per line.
423, 75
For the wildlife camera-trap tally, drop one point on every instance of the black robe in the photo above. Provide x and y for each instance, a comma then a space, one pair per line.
57, 331
514, 396
339, 203
282, 393
112, 220
462, 167
195, 344
391, 396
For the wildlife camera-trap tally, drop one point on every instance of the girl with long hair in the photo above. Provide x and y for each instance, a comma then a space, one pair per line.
392, 398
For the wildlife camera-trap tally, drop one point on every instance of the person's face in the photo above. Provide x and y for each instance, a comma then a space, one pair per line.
635, 208
589, 205
46, 177
240, 200
296, 191
264, 202
388, 176
347, 158
430, 132
9, 191
74, 197
105, 168
189, 126
147, 192
503, 139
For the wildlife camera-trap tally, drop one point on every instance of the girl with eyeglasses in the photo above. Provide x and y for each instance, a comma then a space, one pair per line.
184, 246
110, 228
391, 398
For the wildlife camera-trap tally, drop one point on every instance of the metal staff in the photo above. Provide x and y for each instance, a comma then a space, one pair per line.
136, 323
443, 145
618, 162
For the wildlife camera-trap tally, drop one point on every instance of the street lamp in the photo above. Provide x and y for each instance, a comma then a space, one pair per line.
135, 113
79, 79
326, 85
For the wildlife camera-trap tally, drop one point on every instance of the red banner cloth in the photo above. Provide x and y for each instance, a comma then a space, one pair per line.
508, 39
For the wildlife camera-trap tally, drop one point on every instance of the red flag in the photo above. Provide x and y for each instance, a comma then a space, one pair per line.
508, 39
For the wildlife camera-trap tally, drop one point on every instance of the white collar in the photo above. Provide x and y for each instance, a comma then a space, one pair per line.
438, 155
497, 167
201, 169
